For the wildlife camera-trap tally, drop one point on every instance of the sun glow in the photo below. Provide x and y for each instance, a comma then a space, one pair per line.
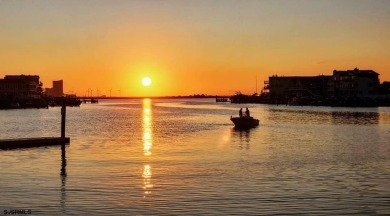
146, 81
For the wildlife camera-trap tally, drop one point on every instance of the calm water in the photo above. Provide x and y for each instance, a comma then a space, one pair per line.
142, 157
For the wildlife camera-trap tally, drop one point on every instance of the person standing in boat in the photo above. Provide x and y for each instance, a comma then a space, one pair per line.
247, 114
240, 113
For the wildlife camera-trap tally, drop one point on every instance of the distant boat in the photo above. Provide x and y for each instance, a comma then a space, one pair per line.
244, 122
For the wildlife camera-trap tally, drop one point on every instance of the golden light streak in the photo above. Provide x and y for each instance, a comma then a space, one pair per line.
147, 176
147, 127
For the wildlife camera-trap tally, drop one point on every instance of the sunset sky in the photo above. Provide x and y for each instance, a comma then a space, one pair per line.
190, 47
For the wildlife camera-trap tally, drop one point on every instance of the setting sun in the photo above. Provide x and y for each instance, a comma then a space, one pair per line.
146, 81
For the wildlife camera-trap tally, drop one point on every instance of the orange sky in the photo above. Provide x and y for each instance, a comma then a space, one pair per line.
190, 47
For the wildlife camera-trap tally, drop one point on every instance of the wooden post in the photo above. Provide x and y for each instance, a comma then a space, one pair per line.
63, 116
63, 160
63, 157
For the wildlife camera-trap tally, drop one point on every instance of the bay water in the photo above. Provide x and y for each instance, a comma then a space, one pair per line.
183, 156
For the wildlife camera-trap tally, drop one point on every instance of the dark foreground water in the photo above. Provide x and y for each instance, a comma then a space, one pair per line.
174, 157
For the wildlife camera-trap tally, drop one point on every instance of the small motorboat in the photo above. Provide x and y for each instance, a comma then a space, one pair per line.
244, 122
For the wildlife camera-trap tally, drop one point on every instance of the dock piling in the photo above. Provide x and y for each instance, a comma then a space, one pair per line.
63, 118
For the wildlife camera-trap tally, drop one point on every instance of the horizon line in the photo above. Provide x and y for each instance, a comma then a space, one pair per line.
152, 97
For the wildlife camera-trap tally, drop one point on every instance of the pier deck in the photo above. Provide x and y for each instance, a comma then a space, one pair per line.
32, 142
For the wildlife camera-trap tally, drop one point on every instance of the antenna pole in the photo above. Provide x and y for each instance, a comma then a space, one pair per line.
256, 84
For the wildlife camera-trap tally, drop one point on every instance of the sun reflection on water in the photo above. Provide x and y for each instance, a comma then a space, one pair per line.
147, 127
147, 176
147, 145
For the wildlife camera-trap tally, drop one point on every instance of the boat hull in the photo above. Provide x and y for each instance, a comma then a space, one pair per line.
245, 122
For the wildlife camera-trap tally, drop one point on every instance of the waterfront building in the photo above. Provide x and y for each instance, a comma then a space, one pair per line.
20, 87
385, 88
349, 88
292, 86
57, 90
355, 83
342, 84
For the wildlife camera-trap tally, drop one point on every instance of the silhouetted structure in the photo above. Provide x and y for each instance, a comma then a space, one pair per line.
21, 91
20, 87
283, 89
221, 99
344, 88
354, 83
25, 91
91, 100
57, 90
385, 88
71, 101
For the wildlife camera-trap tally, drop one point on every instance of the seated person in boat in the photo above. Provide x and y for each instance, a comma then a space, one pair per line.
240, 113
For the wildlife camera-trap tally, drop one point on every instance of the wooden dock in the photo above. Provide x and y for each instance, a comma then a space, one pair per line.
39, 141
221, 99
91, 100
33, 142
